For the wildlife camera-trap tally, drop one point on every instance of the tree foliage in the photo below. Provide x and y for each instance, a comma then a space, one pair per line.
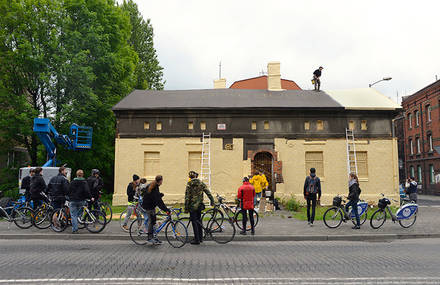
71, 61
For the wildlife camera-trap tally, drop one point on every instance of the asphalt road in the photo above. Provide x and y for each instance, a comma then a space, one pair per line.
122, 262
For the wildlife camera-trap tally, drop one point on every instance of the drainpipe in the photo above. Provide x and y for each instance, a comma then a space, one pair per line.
423, 150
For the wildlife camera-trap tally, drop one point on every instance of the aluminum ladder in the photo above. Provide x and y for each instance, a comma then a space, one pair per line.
205, 168
351, 152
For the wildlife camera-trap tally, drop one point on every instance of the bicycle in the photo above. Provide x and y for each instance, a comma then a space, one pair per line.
335, 215
42, 215
105, 208
17, 213
137, 213
176, 232
406, 215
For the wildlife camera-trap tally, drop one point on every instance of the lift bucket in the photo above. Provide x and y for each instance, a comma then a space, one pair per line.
81, 137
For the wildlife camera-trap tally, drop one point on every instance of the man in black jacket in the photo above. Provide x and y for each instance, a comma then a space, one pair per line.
95, 185
312, 189
37, 187
58, 188
26, 184
317, 78
78, 193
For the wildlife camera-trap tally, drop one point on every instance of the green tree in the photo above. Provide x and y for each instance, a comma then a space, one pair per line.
149, 73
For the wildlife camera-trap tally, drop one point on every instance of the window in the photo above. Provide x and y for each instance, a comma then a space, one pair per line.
419, 174
319, 125
351, 125
306, 125
430, 142
203, 126
315, 159
431, 174
190, 126
428, 113
158, 126
412, 171
362, 163
418, 144
266, 125
146, 125
411, 147
364, 125
194, 161
254, 126
416, 114
151, 164
410, 120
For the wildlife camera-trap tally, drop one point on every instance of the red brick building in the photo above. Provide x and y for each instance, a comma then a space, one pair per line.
260, 82
422, 137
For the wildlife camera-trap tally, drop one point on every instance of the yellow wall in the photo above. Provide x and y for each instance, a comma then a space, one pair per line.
228, 167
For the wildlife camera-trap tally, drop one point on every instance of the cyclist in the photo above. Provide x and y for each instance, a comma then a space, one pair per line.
26, 184
152, 198
38, 186
131, 192
246, 195
412, 189
95, 185
353, 196
58, 188
78, 192
194, 204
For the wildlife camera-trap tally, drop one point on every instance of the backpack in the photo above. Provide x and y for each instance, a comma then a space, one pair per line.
312, 189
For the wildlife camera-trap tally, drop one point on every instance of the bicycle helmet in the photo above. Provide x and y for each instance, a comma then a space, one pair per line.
95, 171
192, 174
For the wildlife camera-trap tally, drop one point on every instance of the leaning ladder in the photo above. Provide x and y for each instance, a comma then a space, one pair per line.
205, 168
351, 152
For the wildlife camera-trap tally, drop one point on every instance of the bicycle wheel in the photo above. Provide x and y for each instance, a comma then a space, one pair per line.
378, 218
239, 220
222, 230
362, 219
95, 221
105, 207
209, 215
41, 219
59, 220
333, 217
406, 223
176, 234
23, 217
138, 232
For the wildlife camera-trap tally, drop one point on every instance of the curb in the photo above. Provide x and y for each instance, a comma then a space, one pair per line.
237, 238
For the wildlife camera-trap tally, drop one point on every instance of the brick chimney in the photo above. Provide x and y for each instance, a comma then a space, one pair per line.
273, 76
220, 83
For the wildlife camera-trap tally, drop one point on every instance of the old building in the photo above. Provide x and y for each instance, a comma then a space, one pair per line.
422, 136
283, 132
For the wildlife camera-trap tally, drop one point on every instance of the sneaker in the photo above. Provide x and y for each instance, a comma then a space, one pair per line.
125, 227
75, 232
253, 233
308, 223
243, 233
157, 241
194, 242
150, 241
311, 224
356, 227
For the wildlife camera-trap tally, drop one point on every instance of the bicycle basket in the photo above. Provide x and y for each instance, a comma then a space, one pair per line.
337, 201
383, 203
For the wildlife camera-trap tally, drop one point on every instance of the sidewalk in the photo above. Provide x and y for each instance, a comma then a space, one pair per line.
272, 227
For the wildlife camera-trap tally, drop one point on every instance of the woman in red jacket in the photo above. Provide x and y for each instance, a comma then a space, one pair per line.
246, 195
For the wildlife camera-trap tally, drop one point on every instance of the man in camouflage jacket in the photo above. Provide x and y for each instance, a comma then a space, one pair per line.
194, 204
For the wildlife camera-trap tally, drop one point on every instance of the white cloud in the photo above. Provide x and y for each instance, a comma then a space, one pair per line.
358, 42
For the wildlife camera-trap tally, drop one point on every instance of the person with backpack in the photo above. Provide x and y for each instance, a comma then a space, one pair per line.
95, 185
26, 184
79, 192
37, 188
246, 195
312, 193
412, 189
353, 196
58, 188
132, 188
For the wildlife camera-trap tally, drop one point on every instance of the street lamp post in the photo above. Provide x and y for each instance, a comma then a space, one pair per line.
383, 79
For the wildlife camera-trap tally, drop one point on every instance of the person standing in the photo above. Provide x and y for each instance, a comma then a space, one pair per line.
353, 196
317, 78
412, 189
153, 198
37, 187
58, 188
312, 194
246, 195
78, 192
194, 204
259, 182
95, 185
26, 184
132, 188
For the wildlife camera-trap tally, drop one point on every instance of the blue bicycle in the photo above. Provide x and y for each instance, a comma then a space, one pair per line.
406, 215
176, 232
18, 213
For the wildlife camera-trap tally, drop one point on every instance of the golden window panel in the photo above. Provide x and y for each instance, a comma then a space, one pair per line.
351, 125
266, 125
254, 126
364, 126
158, 126
315, 159
146, 125
319, 125
306, 125
203, 126
190, 126
362, 163
151, 164
194, 161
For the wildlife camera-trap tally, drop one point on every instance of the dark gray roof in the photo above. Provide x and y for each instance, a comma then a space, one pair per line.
225, 99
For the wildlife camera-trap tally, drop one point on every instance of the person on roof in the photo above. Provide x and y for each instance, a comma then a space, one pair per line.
317, 78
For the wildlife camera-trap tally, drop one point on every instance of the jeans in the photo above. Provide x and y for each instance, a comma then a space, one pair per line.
311, 199
130, 210
317, 83
413, 197
354, 210
257, 196
75, 211
244, 213
151, 214
196, 221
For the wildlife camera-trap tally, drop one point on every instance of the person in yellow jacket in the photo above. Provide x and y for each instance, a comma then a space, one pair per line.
259, 182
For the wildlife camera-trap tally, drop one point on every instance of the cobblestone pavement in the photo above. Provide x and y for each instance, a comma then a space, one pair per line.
122, 262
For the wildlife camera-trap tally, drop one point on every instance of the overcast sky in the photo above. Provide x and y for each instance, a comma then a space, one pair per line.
357, 42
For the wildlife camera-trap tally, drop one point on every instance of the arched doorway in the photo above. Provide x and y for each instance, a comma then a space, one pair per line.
263, 161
